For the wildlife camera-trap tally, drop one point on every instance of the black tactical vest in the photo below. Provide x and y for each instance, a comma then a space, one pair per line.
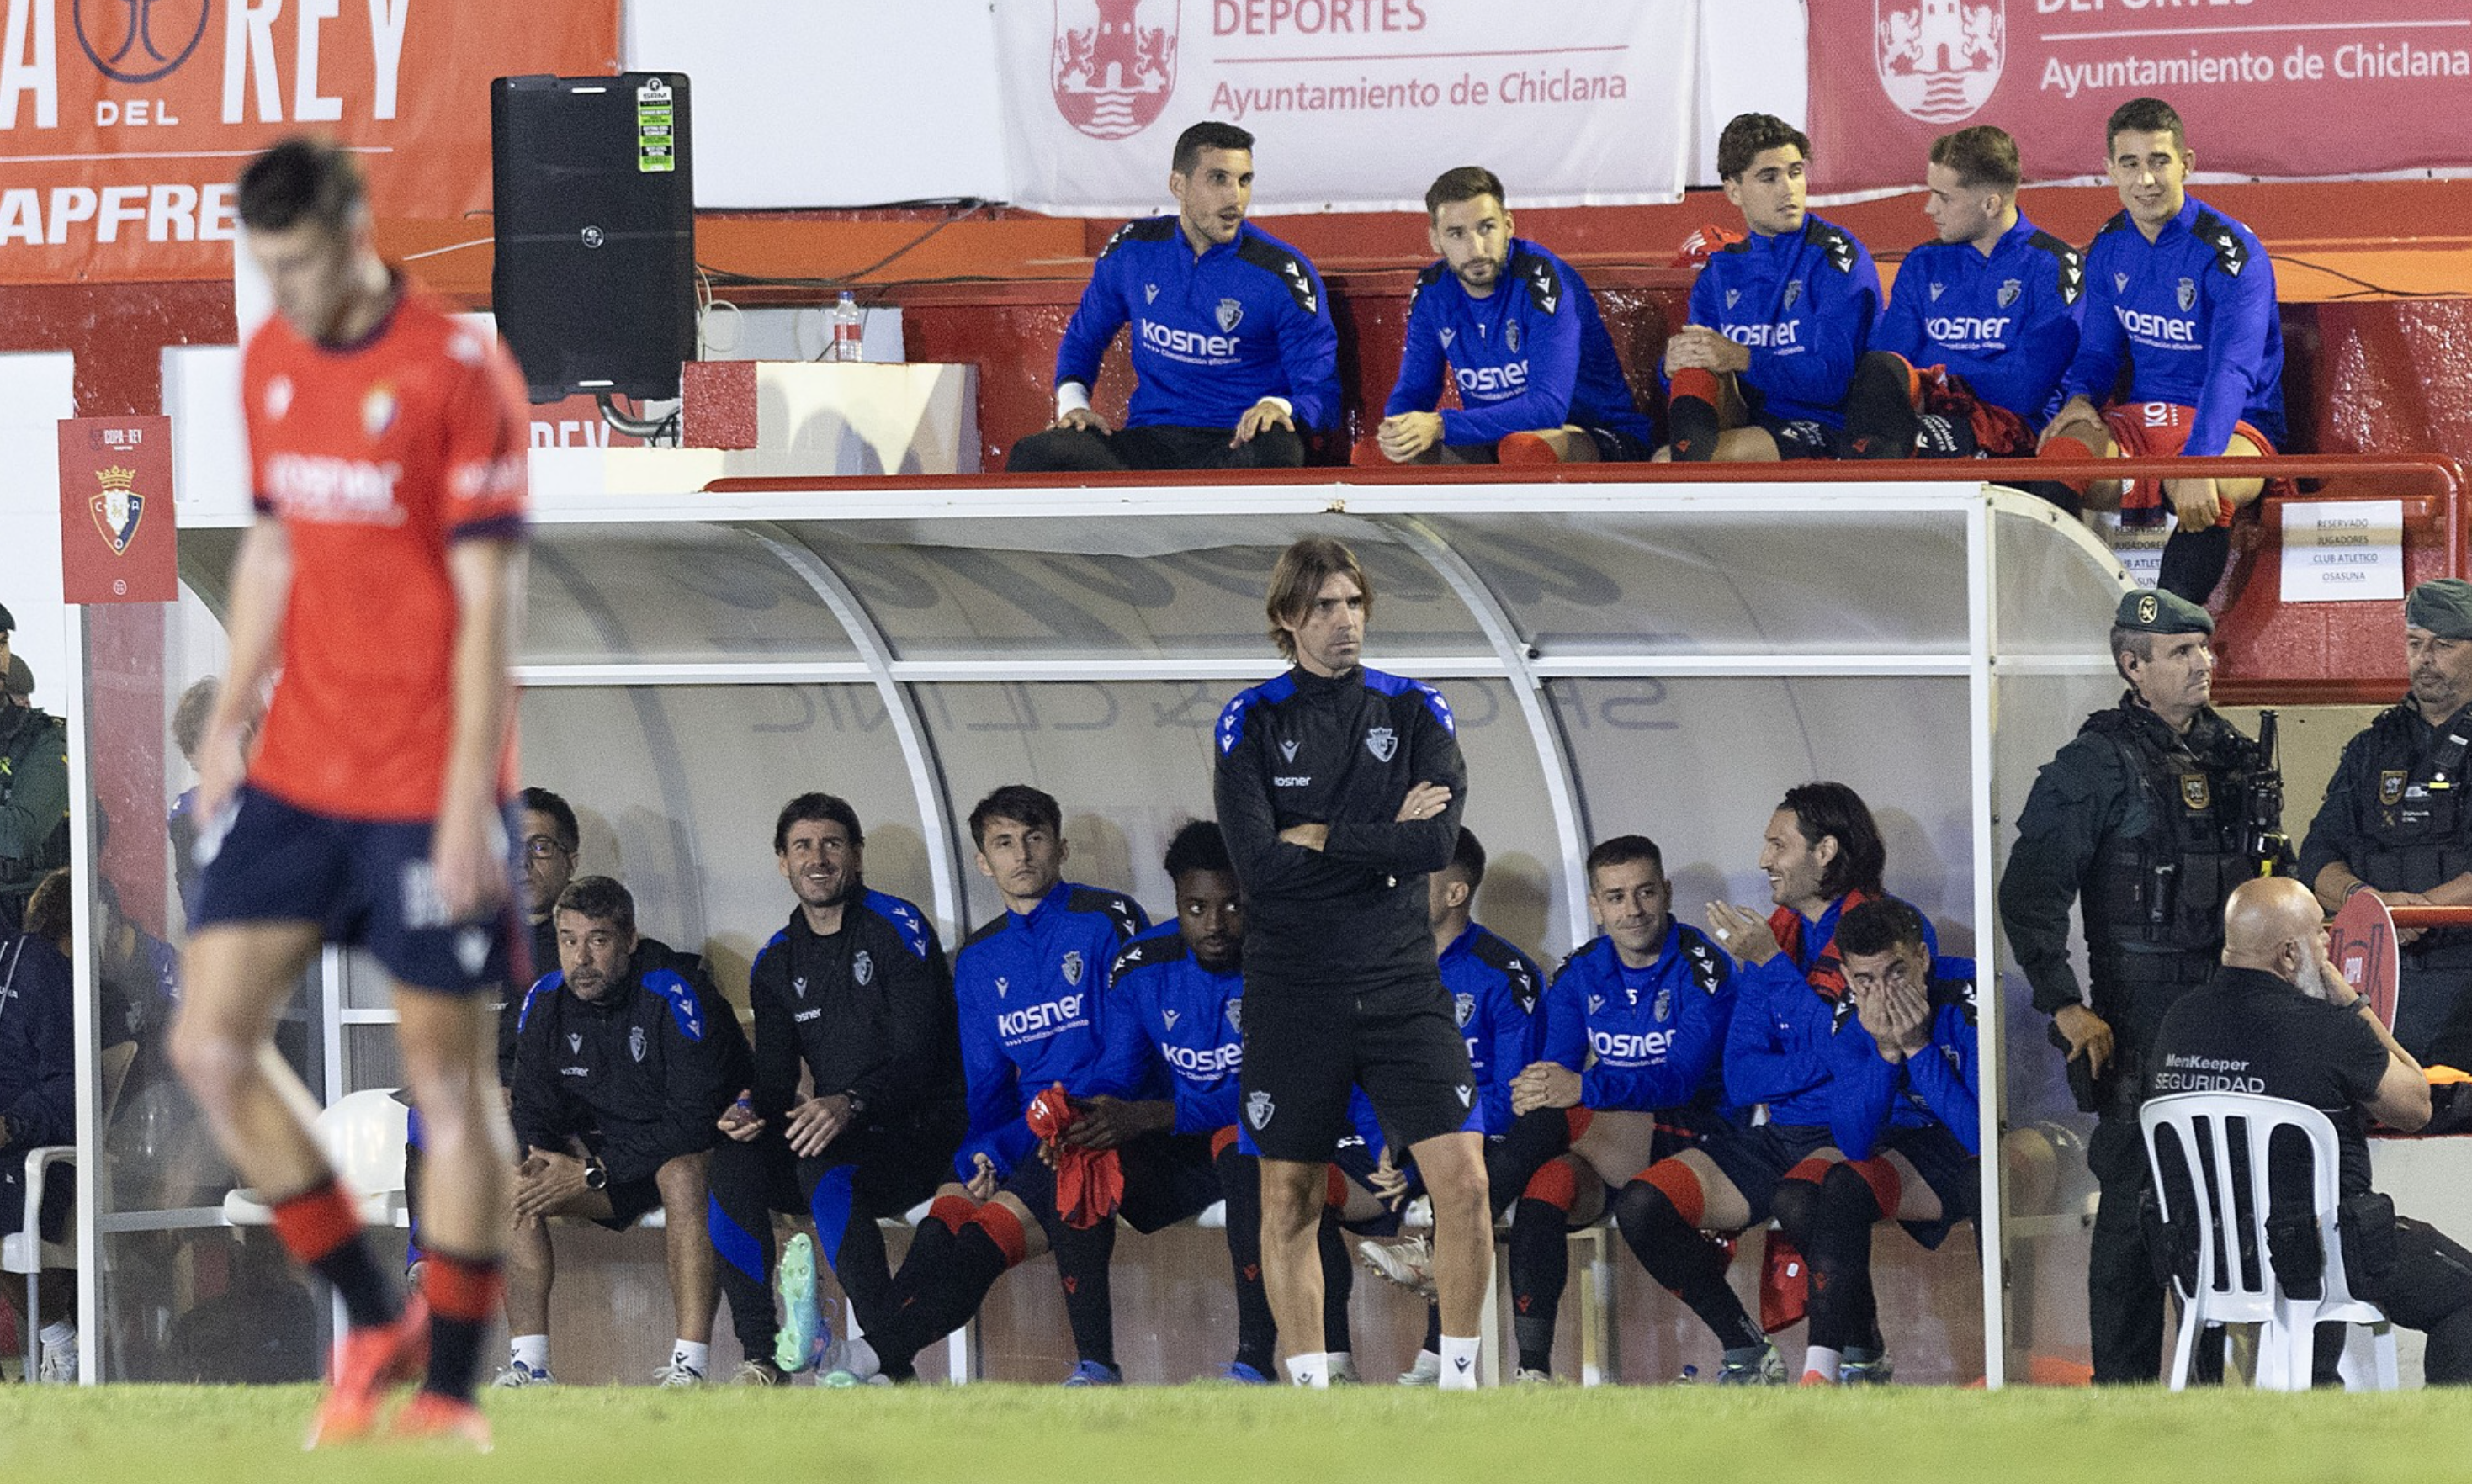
2417, 823
2164, 887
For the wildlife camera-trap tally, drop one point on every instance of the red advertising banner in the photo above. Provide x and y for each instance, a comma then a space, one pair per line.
122, 122
117, 539
2290, 88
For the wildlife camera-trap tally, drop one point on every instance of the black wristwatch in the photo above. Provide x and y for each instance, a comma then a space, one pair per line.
596, 1175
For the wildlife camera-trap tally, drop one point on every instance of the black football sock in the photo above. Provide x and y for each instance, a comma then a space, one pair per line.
1338, 1281
1691, 1266
1081, 1258
1534, 1139
2194, 562
1879, 409
1540, 1265
943, 1299
1257, 1331
1433, 1329
1839, 1250
1692, 424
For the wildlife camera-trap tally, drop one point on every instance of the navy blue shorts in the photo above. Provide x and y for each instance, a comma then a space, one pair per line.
1797, 437
365, 884
1954, 1175
1756, 1157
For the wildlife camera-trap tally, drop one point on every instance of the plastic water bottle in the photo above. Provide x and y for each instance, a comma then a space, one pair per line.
849, 330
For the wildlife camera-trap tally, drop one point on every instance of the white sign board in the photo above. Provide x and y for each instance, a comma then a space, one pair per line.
1356, 107
2348, 550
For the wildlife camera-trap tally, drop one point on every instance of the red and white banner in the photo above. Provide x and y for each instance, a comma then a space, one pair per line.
122, 122
2290, 88
117, 543
1356, 104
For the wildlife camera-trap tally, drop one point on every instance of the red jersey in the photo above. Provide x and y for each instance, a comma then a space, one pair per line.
377, 456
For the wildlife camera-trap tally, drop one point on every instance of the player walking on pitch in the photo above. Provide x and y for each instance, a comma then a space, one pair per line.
1340, 789
386, 449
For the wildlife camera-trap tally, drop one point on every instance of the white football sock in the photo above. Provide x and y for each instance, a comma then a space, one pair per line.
1819, 1363
1313, 1370
695, 1357
1459, 1363
530, 1351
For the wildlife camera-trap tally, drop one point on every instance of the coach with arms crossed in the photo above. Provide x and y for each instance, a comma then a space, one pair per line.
1340, 789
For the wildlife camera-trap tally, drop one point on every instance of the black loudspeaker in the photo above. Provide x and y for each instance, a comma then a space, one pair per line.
594, 286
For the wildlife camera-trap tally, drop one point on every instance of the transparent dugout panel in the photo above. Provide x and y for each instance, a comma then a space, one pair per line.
1132, 762
1167, 587
675, 789
1697, 581
674, 593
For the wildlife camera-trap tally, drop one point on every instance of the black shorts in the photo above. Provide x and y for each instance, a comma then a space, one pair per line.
1954, 1175
60, 1195
1797, 437
629, 1201
1168, 1178
364, 883
1615, 446
1756, 1157
898, 1165
1305, 1050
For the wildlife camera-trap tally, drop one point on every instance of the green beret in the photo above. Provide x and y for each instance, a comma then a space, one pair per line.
2443, 607
8, 625
2152, 611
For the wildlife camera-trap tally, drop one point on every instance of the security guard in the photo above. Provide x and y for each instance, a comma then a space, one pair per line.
2143, 819
34, 785
2394, 821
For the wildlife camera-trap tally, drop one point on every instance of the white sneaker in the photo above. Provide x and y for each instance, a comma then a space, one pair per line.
1409, 1263
58, 1363
678, 1373
1426, 1372
1529, 1378
1344, 1374
518, 1374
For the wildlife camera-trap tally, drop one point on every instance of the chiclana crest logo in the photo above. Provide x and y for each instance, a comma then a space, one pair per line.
1939, 59
1112, 75
117, 508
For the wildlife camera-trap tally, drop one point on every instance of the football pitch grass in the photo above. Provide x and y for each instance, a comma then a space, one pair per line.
1203, 1435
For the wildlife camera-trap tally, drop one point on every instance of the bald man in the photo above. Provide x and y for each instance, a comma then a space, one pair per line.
2277, 1018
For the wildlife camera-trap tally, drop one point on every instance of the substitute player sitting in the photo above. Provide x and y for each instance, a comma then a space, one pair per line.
1627, 1074
1778, 321
1235, 354
1983, 317
386, 449
1520, 335
2183, 297
1035, 1014
1903, 1095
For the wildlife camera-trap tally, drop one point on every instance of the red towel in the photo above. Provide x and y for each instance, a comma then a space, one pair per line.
1089, 1183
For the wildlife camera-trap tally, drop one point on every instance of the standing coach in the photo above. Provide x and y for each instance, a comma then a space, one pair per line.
1340, 789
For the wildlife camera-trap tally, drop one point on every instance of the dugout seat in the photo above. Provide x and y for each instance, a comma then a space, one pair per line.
362, 1134
24, 1250
2229, 1216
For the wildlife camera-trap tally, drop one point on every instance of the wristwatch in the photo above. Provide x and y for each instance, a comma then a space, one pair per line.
857, 1104
596, 1175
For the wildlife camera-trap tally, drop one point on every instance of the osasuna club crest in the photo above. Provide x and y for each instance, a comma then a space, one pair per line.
2010, 290
1383, 743
1232, 314
1236, 1016
1072, 967
1114, 66
2187, 295
635, 1042
861, 968
1463, 1007
1939, 59
1259, 1109
117, 508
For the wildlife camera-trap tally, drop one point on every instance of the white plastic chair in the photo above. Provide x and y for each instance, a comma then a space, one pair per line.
363, 1135
24, 1251
2205, 1125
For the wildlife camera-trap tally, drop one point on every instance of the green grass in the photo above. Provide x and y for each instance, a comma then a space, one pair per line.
1196, 1435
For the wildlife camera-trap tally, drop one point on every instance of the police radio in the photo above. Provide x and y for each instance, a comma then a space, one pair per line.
2268, 848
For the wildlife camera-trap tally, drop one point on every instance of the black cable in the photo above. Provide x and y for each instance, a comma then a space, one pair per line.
2366, 287
849, 280
650, 429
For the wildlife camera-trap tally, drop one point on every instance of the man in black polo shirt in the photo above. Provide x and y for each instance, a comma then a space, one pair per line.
854, 993
2278, 1020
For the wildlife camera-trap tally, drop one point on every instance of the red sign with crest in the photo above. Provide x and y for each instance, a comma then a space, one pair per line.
117, 540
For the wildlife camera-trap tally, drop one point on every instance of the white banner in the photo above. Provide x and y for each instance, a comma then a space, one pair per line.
1356, 104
